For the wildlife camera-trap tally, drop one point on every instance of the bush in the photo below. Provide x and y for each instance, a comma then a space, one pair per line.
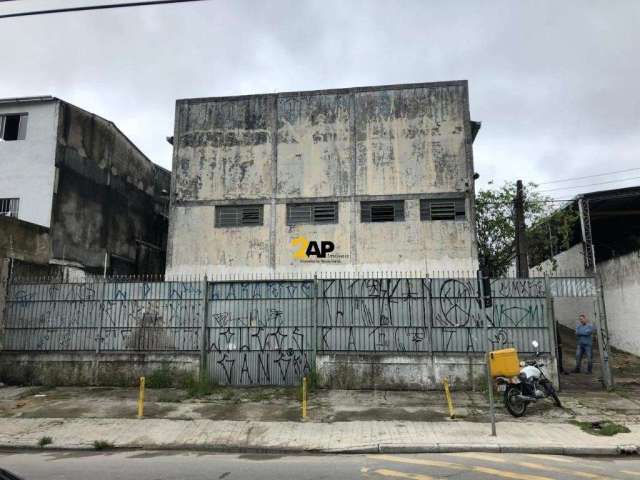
162, 377
44, 441
102, 445
198, 387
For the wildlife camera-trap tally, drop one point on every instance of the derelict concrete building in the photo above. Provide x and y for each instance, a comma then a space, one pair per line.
76, 194
358, 179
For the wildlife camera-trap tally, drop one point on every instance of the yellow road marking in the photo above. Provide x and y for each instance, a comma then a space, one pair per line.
552, 457
507, 474
417, 461
478, 456
394, 473
630, 472
536, 466
458, 466
561, 460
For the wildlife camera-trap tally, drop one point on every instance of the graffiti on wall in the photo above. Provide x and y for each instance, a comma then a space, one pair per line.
260, 332
104, 317
267, 332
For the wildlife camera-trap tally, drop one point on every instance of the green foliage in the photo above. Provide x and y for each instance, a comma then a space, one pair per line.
167, 376
548, 230
102, 445
162, 377
605, 428
44, 441
198, 387
312, 381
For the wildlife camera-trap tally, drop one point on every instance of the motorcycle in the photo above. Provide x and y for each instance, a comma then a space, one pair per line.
529, 386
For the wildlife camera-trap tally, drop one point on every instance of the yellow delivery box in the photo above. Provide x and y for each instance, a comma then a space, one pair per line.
504, 363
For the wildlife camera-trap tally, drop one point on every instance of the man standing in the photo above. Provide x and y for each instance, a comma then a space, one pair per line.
584, 344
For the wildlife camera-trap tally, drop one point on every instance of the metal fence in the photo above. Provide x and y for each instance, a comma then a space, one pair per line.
106, 316
269, 331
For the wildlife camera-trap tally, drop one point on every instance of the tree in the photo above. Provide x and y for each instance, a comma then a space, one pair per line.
549, 230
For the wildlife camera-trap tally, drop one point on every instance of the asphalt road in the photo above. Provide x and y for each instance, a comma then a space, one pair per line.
140, 465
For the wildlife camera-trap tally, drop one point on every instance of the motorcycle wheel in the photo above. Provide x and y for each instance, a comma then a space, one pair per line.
515, 406
552, 393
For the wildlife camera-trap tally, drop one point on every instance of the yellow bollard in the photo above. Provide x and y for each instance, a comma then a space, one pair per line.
141, 399
447, 394
304, 398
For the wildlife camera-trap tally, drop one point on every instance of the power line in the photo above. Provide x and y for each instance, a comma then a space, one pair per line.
94, 7
589, 184
589, 176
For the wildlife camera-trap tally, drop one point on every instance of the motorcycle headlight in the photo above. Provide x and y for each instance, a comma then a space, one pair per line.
522, 363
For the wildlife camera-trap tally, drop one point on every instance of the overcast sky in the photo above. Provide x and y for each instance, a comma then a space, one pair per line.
555, 84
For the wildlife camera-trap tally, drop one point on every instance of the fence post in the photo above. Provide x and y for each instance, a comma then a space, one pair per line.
102, 304
102, 307
4, 293
427, 293
551, 327
603, 334
315, 321
203, 329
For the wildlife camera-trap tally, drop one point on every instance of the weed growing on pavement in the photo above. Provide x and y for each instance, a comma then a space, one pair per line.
44, 441
169, 396
102, 445
605, 428
198, 387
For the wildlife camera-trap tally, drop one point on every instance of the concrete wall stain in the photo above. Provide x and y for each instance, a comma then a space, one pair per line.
335, 145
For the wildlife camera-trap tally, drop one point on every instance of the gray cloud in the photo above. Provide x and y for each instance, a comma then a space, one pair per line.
554, 83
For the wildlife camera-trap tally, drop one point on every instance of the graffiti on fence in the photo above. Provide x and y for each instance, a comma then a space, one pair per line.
259, 332
108, 317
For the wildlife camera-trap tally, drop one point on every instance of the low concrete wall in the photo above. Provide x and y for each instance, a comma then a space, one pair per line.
407, 372
87, 368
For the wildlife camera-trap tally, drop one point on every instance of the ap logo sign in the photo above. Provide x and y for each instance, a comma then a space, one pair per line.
306, 249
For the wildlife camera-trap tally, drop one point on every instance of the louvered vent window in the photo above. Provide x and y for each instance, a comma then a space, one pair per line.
442, 209
382, 211
312, 213
239, 216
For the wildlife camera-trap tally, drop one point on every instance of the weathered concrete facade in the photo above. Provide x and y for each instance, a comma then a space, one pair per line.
402, 143
80, 178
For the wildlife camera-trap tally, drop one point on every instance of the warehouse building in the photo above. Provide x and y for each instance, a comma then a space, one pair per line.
358, 179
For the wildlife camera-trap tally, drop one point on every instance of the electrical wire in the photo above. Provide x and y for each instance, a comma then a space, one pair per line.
94, 7
590, 176
589, 184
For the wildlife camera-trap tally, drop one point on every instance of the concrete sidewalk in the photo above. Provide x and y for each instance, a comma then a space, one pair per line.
299, 437
268, 419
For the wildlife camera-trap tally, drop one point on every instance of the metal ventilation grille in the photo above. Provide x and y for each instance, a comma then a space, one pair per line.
312, 213
239, 216
442, 209
383, 211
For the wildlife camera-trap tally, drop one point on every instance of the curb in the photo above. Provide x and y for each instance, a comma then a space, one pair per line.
363, 449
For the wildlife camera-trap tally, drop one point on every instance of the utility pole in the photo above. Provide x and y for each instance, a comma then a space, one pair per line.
522, 263
588, 251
